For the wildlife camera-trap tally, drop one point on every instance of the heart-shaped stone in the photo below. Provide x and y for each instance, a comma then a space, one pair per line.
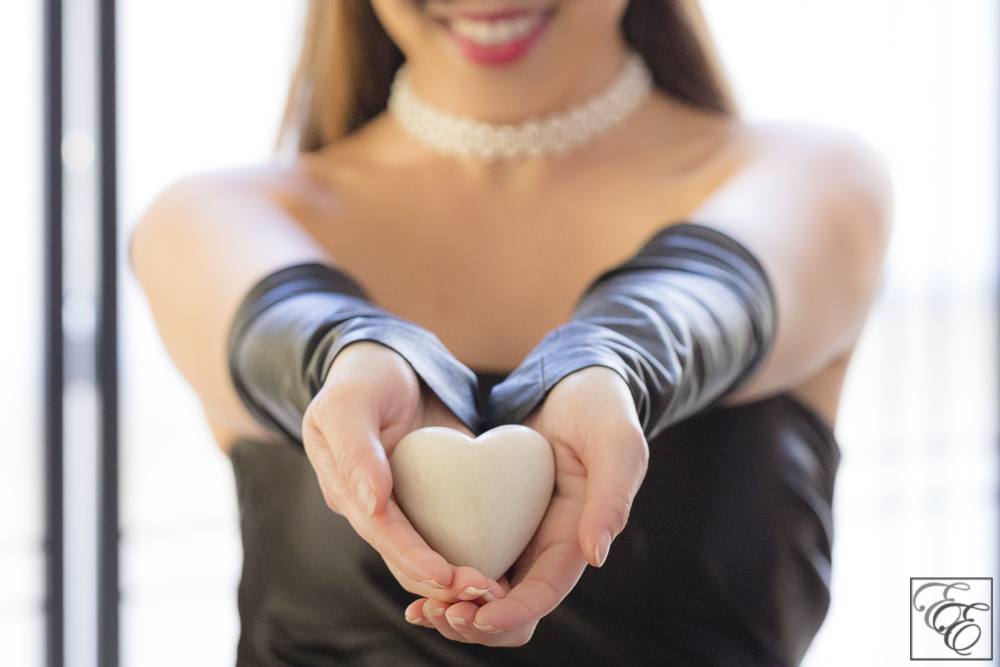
475, 502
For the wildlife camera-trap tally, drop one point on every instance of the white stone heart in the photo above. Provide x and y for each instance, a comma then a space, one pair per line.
475, 502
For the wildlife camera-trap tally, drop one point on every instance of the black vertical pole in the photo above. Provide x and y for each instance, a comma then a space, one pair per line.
107, 343
53, 294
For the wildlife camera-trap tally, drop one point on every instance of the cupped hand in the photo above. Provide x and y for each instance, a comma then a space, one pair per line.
371, 399
601, 458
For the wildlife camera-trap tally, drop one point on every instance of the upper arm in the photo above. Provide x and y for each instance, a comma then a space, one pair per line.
814, 207
197, 252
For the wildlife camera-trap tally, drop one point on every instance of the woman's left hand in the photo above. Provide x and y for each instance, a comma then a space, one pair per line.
601, 456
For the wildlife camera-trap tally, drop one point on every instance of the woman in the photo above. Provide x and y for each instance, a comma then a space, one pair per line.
708, 546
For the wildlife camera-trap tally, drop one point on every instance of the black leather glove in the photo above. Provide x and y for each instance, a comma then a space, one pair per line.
295, 322
686, 320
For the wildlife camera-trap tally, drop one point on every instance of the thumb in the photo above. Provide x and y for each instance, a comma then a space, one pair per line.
341, 435
616, 465
366, 405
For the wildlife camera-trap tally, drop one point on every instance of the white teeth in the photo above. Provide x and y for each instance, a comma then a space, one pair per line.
490, 33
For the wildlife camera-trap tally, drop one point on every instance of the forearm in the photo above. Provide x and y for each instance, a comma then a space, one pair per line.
295, 322
690, 317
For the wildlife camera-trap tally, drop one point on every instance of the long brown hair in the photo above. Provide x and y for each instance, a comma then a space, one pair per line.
348, 61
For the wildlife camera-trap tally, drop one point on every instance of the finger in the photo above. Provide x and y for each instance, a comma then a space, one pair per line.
342, 443
470, 584
415, 614
497, 591
460, 617
546, 583
392, 535
424, 589
346, 423
434, 612
366, 404
460, 589
616, 465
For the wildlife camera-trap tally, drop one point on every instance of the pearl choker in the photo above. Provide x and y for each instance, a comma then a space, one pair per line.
556, 134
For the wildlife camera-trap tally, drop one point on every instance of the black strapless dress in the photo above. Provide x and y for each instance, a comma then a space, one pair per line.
725, 561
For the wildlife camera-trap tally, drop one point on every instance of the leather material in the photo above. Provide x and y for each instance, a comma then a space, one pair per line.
686, 320
293, 324
724, 562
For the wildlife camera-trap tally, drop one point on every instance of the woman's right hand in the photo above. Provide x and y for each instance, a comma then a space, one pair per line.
370, 400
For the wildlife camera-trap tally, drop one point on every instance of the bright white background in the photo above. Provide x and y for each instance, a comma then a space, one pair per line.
20, 335
202, 86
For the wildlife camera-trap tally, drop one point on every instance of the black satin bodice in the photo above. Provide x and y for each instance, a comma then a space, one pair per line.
725, 560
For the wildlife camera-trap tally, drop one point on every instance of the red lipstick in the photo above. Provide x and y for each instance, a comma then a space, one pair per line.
502, 53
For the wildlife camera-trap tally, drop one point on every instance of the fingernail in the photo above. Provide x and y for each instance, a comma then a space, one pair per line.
434, 611
434, 584
458, 620
489, 597
414, 621
601, 550
475, 592
366, 495
485, 628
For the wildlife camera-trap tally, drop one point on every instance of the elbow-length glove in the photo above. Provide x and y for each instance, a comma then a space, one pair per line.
686, 320
294, 323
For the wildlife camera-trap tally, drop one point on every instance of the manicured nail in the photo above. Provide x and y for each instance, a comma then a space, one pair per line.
434, 584
489, 597
434, 611
475, 592
601, 550
414, 621
366, 495
458, 620
489, 629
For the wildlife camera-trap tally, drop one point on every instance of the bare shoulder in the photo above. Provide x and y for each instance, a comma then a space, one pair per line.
266, 182
826, 187
216, 207
188, 200
808, 139
851, 167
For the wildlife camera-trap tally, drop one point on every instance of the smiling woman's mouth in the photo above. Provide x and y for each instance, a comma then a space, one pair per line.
497, 39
